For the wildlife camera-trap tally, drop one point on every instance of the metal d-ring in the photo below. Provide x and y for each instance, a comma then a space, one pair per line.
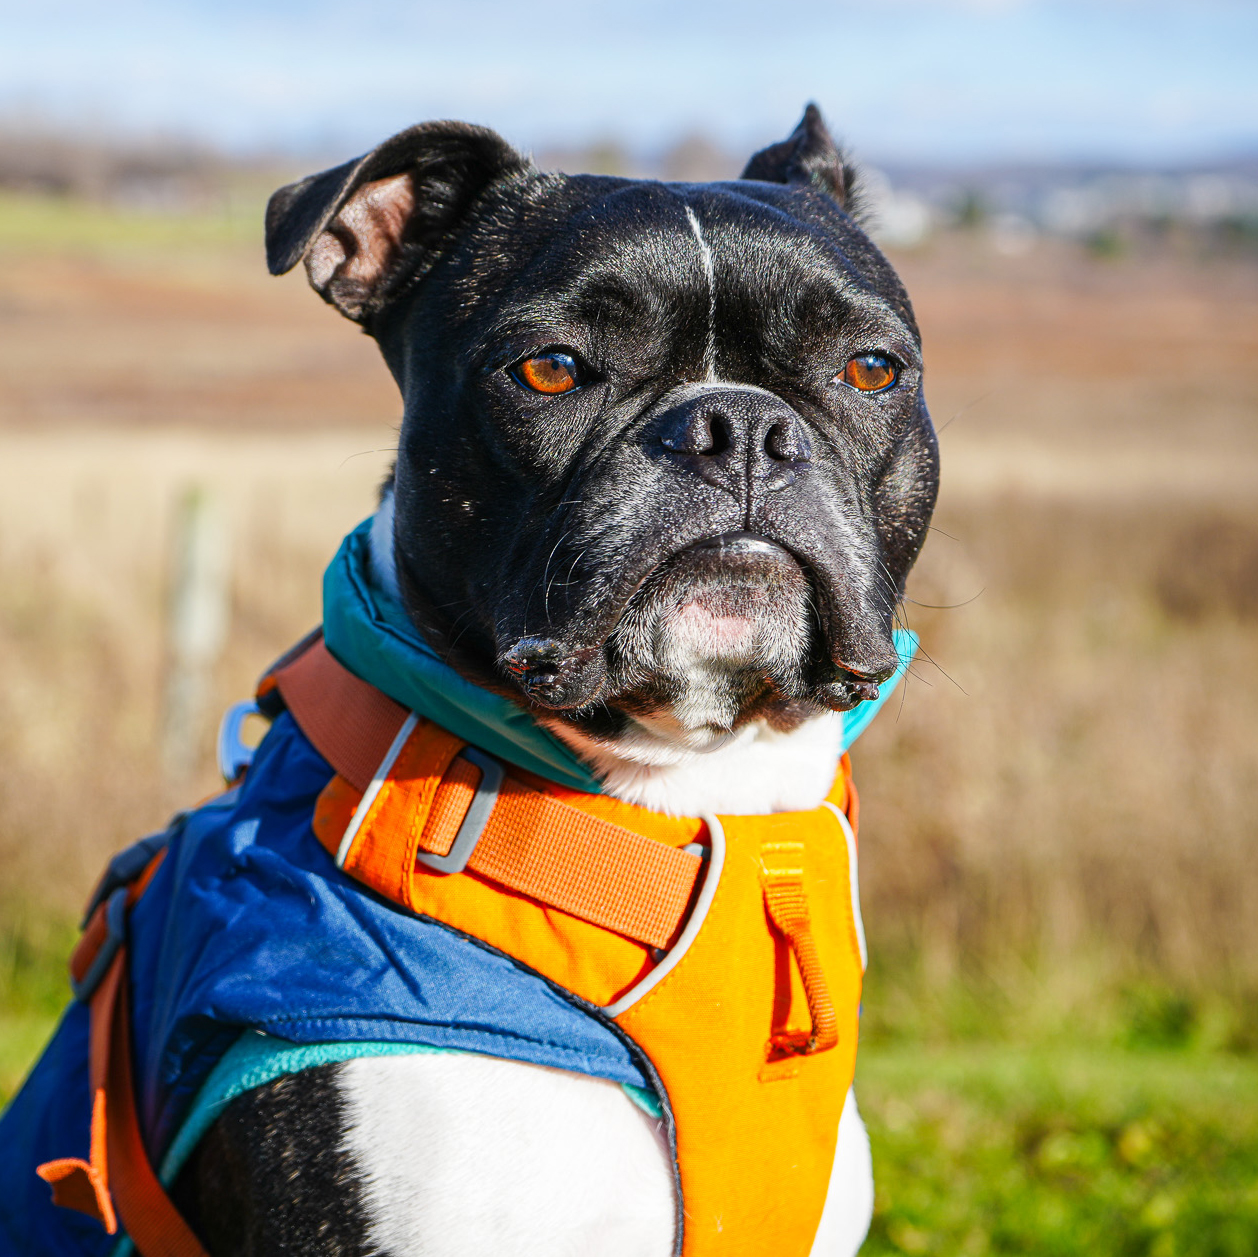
234, 753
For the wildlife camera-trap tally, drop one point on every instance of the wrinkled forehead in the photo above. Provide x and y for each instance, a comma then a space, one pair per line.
635, 253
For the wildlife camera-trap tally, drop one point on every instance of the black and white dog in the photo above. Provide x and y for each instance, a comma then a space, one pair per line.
664, 467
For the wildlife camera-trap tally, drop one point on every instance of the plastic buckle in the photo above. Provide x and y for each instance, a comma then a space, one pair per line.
478, 812
234, 753
116, 935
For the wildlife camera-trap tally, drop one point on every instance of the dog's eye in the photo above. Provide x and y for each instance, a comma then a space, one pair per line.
870, 373
552, 373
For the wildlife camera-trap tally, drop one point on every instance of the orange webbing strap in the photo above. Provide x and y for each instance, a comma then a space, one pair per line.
567, 859
350, 722
782, 877
79, 1184
118, 1173
533, 843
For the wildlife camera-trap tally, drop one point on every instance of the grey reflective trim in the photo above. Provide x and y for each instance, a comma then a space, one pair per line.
716, 861
369, 795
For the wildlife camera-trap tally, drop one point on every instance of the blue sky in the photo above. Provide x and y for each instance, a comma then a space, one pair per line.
934, 80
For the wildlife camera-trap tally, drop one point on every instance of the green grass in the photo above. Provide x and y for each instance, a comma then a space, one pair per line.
22, 1038
1004, 1149
1131, 1135
66, 225
34, 987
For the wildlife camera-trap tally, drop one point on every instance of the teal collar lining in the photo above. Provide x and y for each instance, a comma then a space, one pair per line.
367, 629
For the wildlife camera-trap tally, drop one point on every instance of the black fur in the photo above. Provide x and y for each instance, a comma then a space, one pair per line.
269, 1178
448, 163
809, 156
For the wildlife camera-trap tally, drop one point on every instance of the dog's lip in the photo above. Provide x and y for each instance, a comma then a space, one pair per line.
728, 559
734, 556
738, 544
733, 552
551, 669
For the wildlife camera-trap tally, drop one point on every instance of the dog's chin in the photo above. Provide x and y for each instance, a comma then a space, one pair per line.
714, 637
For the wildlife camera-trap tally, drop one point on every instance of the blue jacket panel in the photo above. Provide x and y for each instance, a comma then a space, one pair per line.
249, 924
49, 1118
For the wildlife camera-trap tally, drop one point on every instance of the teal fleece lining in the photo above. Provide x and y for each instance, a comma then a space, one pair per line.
368, 630
254, 1060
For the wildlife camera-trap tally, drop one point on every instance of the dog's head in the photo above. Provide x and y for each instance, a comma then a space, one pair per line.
665, 460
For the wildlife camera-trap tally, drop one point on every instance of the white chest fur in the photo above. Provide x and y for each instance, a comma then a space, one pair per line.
756, 771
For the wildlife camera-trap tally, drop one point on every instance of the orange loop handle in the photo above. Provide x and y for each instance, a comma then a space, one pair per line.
787, 904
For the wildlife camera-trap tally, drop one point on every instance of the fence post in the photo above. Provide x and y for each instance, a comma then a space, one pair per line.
197, 618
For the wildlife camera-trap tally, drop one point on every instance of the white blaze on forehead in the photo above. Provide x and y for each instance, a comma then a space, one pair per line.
705, 255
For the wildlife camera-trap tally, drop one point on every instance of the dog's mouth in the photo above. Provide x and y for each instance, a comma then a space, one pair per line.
727, 629
727, 597
714, 631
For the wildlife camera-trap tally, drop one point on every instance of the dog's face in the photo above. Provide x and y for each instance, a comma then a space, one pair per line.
665, 459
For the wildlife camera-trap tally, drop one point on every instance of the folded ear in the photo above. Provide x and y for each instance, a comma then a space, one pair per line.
807, 156
381, 218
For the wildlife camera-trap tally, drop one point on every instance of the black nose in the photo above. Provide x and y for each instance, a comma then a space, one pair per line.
736, 437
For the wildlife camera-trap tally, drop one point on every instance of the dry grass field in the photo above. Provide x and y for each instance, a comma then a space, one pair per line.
1083, 781
1060, 809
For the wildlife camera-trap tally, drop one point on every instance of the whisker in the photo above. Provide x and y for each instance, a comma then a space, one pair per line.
545, 572
964, 409
363, 454
946, 606
924, 654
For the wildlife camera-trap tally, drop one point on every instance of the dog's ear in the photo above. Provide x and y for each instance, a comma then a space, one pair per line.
807, 156
361, 226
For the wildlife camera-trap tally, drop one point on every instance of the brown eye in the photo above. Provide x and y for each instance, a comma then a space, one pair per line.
870, 373
549, 373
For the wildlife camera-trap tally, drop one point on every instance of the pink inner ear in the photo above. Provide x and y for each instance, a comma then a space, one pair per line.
360, 244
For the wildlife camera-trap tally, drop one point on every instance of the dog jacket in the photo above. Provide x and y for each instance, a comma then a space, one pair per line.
377, 883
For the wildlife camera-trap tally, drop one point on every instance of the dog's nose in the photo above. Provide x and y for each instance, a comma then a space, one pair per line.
732, 437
